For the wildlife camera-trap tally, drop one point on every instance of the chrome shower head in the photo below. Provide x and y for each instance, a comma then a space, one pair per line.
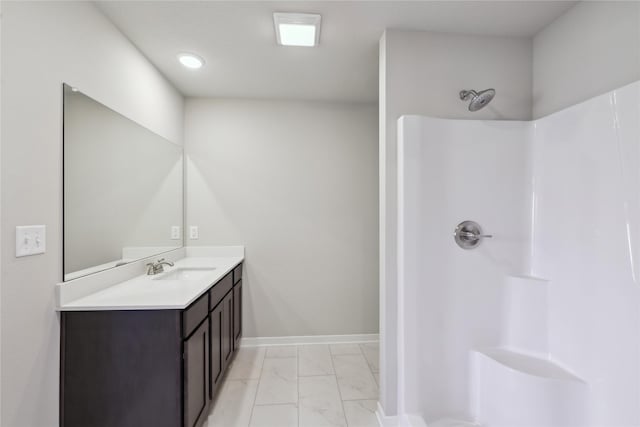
478, 99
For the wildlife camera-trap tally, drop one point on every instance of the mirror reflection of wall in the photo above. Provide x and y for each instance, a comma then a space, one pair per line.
122, 189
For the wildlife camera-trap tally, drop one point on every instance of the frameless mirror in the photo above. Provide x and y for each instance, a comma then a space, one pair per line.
122, 189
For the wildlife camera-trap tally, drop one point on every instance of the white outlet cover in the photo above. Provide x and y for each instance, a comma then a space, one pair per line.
175, 232
31, 240
193, 232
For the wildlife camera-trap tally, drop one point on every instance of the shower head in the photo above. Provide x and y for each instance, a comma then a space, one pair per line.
478, 99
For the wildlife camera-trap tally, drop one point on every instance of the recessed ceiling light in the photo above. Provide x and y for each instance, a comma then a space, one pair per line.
190, 60
297, 29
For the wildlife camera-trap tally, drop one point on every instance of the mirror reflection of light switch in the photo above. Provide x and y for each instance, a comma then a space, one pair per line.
193, 232
30, 240
175, 232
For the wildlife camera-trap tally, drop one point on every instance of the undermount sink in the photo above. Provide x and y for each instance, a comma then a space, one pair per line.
186, 273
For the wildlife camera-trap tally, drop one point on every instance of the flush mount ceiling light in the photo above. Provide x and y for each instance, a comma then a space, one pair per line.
297, 29
190, 60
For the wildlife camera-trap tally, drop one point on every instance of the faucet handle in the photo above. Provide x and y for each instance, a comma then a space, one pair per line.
150, 268
161, 260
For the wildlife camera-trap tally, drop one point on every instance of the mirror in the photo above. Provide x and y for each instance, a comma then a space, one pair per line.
122, 189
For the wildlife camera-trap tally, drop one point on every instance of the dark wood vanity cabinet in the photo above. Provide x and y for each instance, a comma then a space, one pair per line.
237, 314
237, 306
196, 376
227, 330
216, 350
225, 319
156, 368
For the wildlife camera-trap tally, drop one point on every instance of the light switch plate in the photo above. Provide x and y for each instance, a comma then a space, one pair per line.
30, 240
193, 232
175, 232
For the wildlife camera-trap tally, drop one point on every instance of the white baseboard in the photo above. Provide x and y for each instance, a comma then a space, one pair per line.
312, 339
384, 420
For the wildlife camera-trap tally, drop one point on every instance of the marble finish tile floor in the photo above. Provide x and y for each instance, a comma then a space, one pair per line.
316, 385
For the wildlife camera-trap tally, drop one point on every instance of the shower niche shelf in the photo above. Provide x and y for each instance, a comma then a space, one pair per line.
513, 389
516, 383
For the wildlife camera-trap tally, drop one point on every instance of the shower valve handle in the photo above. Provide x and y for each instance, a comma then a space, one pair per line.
468, 235
474, 236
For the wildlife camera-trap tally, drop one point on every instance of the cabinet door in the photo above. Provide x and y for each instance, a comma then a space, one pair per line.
196, 376
237, 314
216, 348
227, 329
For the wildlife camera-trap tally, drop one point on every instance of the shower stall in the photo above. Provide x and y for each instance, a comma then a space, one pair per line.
538, 323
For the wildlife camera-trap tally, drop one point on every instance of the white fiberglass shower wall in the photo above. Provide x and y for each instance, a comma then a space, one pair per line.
539, 326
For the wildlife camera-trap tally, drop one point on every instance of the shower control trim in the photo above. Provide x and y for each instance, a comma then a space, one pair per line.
468, 235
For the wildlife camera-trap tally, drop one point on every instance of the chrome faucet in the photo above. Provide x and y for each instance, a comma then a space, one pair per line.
157, 267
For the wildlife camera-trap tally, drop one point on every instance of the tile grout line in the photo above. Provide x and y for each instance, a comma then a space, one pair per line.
373, 375
254, 405
371, 370
275, 404
357, 344
366, 359
344, 412
322, 375
255, 396
358, 400
377, 399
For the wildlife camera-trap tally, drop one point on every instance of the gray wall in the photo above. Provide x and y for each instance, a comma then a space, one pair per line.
296, 182
592, 49
422, 73
43, 45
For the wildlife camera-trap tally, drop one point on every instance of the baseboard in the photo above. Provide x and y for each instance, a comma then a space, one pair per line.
384, 420
312, 339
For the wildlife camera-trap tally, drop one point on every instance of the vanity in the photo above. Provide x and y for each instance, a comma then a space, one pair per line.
141, 344
153, 350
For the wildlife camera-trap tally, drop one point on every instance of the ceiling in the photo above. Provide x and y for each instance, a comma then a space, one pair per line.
237, 41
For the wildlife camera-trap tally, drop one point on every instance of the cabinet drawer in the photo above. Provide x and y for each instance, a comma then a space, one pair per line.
193, 315
220, 289
237, 274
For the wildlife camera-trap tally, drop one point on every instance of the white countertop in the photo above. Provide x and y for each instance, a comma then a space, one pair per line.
150, 293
